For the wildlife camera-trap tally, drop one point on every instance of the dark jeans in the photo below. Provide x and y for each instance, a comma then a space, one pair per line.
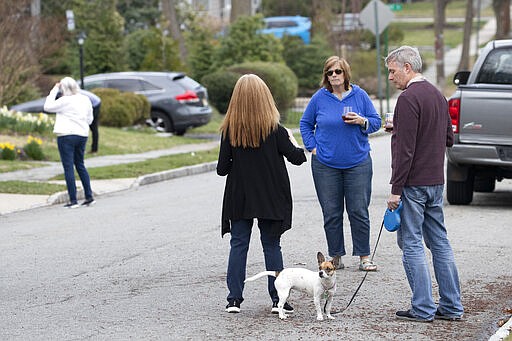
71, 150
340, 188
94, 128
240, 238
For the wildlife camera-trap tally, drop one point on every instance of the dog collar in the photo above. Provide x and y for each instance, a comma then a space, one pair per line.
331, 287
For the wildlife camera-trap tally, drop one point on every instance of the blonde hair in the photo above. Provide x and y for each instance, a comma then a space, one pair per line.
344, 65
252, 114
68, 86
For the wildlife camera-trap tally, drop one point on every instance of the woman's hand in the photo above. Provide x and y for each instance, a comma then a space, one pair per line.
353, 118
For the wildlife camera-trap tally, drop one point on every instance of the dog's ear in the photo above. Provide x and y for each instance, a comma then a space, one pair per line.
336, 262
320, 257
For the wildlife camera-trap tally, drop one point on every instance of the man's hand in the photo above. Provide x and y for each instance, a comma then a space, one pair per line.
393, 201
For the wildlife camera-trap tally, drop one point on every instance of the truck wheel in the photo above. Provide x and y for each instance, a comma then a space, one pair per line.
460, 192
485, 185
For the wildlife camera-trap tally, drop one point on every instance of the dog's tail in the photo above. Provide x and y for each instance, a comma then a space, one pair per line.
261, 274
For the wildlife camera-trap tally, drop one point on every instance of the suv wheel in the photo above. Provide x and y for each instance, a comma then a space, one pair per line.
161, 122
459, 192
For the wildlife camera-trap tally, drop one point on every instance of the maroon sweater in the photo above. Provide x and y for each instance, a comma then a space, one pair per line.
421, 132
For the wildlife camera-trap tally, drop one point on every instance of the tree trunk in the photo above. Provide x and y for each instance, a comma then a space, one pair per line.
466, 40
321, 19
439, 22
502, 12
169, 12
239, 8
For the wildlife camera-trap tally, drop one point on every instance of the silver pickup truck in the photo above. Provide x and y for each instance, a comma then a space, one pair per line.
481, 113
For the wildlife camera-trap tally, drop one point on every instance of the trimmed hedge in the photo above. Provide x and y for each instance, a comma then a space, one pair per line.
122, 109
280, 79
220, 85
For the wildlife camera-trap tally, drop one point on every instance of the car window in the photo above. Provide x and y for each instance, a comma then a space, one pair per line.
497, 68
128, 85
281, 24
147, 86
93, 85
188, 83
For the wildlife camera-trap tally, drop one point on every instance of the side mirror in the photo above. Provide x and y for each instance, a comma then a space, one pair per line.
461, 77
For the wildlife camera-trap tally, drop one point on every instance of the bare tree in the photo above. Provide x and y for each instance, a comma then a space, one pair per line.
439, 23
322, 17
502, 11
172, 23
468, 26
25, 41
239, 8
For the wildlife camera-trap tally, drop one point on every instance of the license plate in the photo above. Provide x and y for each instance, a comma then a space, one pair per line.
505, 153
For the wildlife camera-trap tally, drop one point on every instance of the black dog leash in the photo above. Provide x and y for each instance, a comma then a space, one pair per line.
362, 281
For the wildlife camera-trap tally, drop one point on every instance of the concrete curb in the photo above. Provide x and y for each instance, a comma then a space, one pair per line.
503, 332
174, 173
62, 197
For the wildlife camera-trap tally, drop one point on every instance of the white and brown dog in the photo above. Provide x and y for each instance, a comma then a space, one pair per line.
317, 284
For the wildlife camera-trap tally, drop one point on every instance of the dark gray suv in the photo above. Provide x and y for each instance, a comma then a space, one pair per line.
177, 101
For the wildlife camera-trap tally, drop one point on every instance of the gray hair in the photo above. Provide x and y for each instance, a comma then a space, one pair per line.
405, 54
68, 86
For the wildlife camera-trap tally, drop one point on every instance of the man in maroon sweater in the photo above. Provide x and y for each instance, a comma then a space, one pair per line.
421, 132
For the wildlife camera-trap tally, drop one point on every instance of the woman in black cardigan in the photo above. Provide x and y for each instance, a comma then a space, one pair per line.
251, 155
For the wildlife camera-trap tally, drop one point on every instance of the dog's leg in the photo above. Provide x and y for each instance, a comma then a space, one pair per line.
283, 296
328, 305
317, 300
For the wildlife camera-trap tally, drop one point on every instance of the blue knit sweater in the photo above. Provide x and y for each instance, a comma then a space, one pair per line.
338, 144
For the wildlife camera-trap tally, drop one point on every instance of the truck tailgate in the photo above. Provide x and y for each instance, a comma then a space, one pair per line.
489, 124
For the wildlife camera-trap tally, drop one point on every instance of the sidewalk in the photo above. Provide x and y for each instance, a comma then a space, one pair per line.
18, 202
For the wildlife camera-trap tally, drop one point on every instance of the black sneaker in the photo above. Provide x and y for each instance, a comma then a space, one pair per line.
440, 316
71, 205
408, 316
286, 308
88, 202
233, 306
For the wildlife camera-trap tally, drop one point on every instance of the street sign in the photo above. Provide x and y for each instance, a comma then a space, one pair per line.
70, 19
376, 16
395, 7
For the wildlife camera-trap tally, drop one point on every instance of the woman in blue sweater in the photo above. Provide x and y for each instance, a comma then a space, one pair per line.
341, 162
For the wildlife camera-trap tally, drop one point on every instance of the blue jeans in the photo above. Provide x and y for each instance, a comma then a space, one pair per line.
240, 238
71, 150
422, 219
340, 188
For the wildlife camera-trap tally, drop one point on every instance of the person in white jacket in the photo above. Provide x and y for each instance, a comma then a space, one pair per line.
73, 117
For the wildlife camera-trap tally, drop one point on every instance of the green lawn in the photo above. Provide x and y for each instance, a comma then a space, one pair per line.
422, 9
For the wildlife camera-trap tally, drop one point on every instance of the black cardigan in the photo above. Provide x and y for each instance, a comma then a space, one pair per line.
257, 185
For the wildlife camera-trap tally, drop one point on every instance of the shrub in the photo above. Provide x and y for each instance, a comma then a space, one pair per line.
8, 151
33, 148
280, 79
139, 104
243, 43
118, 115
220, 85
306, 61
122, 109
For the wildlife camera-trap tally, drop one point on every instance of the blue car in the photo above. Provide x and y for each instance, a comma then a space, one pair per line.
288, 25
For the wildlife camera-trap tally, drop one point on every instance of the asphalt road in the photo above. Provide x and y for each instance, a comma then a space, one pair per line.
149, 263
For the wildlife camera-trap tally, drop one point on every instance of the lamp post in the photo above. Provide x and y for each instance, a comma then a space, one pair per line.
81, 40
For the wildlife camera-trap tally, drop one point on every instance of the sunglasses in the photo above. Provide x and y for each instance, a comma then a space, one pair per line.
337, 71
